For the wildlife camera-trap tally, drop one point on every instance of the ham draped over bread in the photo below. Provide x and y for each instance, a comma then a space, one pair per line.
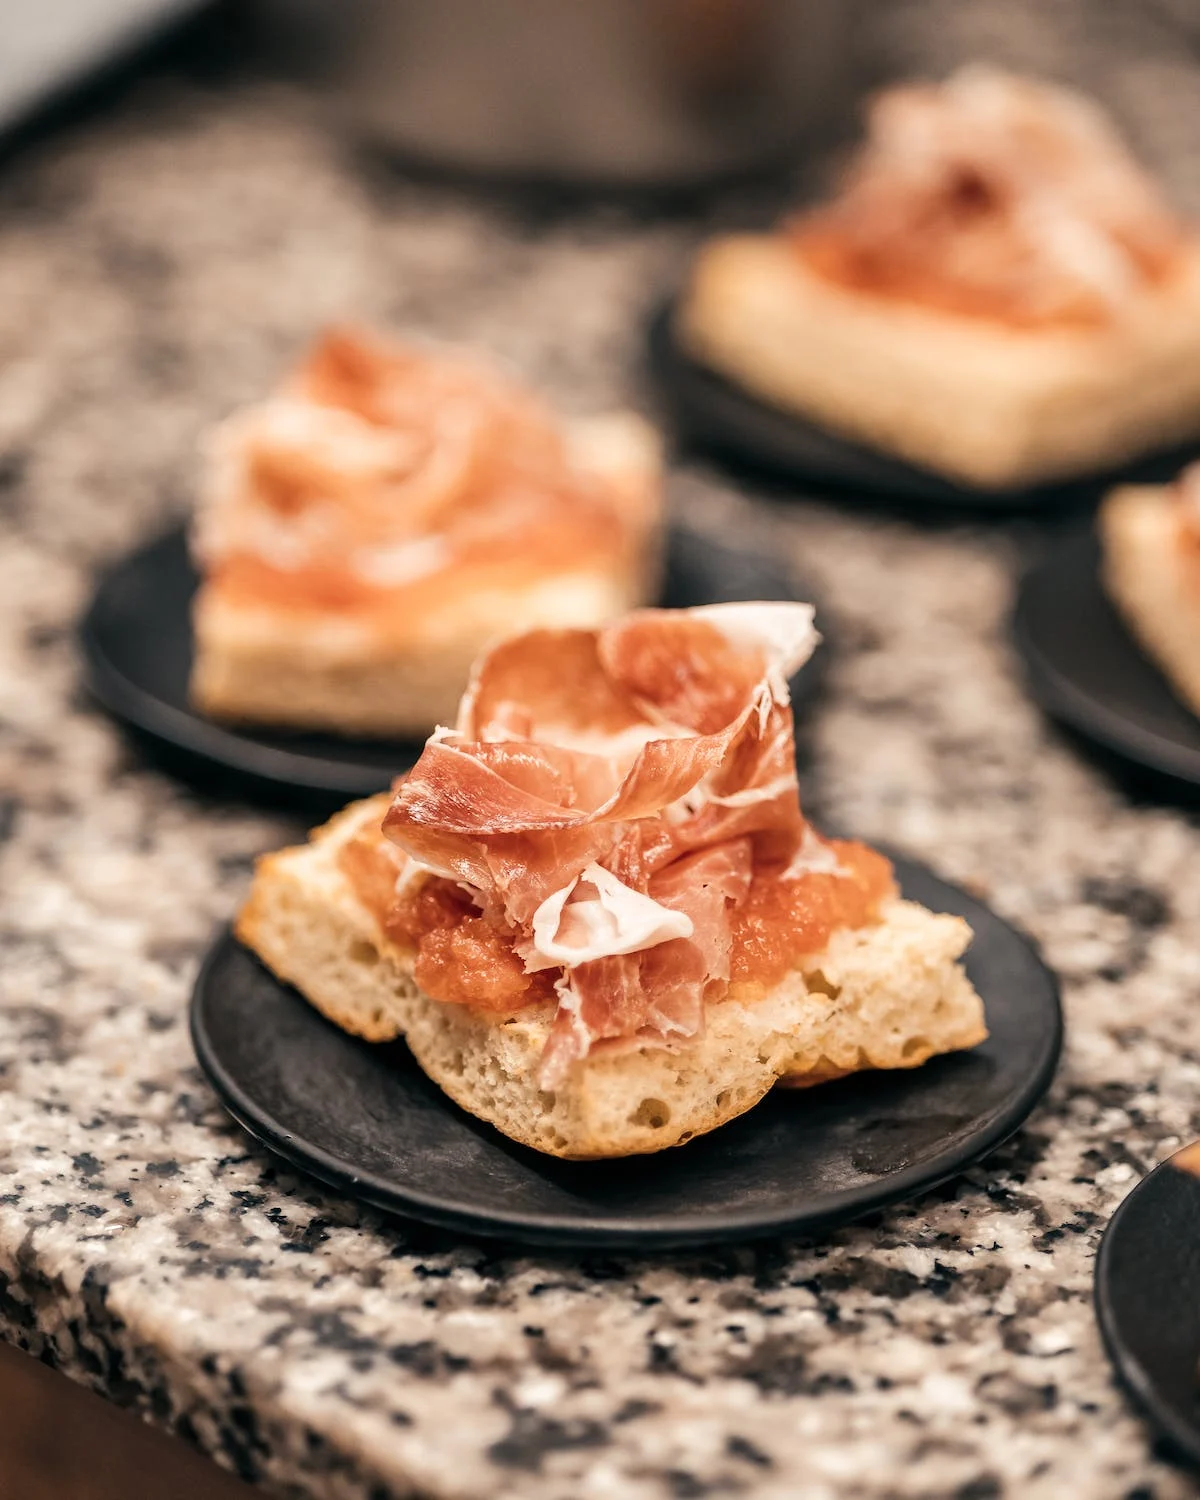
377, 470
606, 799
995, 196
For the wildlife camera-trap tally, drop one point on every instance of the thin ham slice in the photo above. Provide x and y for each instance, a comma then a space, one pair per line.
659, 750
658, 992
997, 196
377, 476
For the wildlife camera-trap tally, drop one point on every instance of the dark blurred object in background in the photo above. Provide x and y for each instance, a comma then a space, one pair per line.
633, 93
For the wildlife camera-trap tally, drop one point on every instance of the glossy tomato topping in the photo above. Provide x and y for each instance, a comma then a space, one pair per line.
782, 920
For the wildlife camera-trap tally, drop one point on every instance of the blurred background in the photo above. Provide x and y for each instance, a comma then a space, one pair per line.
187, 190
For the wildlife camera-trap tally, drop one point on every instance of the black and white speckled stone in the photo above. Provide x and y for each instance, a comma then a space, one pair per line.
158, 269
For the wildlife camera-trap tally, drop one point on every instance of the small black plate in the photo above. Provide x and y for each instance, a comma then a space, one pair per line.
366, 1119
1148, 1297
137, 645
1086, 670
717, 415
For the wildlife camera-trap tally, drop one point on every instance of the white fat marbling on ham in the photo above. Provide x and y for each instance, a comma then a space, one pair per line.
404, 562
785, 632
813, 856
747, 797
597, 916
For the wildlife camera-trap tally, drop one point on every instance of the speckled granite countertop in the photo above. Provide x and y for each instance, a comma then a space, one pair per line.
159, 267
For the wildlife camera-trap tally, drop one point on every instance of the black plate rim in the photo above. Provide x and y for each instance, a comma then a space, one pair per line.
1131, 1371
679, 376
1064, 701
193, 733
229, 749
206, 739
580, 1232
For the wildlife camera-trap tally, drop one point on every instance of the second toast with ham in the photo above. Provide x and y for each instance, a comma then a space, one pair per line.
367, 529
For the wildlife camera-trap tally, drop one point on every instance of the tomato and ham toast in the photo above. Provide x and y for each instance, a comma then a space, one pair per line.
594, 907
999, 293
368, 528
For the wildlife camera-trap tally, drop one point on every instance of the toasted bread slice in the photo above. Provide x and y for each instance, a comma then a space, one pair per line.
1148, 576
333, 671
886, 996
981, 402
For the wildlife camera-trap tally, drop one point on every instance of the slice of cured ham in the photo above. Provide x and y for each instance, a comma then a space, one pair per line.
996, 196
378, 469
607, 794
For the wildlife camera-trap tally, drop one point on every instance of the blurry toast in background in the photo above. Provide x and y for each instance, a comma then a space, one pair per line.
364, 531
999, 293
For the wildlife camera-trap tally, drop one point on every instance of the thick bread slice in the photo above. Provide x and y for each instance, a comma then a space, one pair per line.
983, 403
1153, 583
885, 996
329, 671
322, 672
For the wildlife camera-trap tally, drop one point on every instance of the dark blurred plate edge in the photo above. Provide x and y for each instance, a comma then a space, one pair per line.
1147, 1299
1070, 638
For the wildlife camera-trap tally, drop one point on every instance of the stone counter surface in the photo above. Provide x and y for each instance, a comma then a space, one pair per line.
156, 269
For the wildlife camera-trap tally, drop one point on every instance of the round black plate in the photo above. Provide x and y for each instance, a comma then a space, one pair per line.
715, 414
1148, 1297
137, 645
1086, 670
366, 1119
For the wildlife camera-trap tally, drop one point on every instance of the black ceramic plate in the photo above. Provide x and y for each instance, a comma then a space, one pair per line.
1148, 1297
1086, 670
366, 1119
715, 414
137, 645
